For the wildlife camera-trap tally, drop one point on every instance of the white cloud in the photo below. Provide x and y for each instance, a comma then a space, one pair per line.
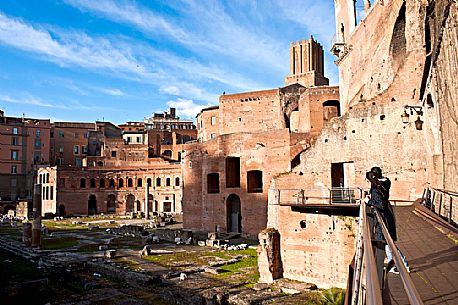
128, 12
28, 99
212, 29
72, 48
111, 91
186, 108
172, 90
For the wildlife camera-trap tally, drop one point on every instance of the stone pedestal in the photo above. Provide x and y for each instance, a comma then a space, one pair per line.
27, 234
269, 260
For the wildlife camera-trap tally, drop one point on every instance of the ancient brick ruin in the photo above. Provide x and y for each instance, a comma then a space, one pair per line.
249, 139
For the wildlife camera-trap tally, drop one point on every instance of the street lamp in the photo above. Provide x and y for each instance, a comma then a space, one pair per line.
413, 110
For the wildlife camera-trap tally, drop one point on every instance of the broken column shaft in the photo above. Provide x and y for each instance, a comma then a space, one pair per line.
36, 223
146, 201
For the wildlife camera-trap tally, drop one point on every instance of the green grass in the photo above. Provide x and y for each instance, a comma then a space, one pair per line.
88, 248
59, 243
66, 224
63, 225
126, 262
197, 258
134, 243
333, 296
7, 230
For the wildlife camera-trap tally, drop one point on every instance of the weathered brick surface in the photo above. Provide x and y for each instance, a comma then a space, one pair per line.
69, 193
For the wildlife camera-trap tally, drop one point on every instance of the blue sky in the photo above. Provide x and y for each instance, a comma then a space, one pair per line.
83, 60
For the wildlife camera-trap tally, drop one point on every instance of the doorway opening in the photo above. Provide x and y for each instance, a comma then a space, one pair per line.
234, 214
92, 205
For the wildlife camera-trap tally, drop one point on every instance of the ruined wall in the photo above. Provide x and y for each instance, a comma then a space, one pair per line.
365, 137
369, 135
166, 194
316, 248
207, 127
267, 152
253, 111
386, 55
311, 115
441, 104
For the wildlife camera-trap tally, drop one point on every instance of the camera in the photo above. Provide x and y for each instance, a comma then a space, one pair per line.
370, 175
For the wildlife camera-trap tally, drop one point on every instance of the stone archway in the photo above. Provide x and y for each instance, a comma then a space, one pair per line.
234, 214
92, 205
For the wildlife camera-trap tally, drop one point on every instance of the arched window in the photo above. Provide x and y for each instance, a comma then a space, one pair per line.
47, 193
92, 183
148, 181
120, 182
40, 178
129, 182
139, 182
102, 182
167, 181
111, 183
158, 181
47, 178
177, 181
82, 183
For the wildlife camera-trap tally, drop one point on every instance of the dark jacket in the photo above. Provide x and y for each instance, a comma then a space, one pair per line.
380, 193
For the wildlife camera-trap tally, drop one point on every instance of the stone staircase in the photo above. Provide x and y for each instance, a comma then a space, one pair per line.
17, 248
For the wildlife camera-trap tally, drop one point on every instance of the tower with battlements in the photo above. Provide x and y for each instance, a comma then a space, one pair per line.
306, 64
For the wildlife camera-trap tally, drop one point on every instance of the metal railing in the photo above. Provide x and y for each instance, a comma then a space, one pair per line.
366, 288
326, 196
442, 202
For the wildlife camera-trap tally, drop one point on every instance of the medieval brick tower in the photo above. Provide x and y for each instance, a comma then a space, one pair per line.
306, 64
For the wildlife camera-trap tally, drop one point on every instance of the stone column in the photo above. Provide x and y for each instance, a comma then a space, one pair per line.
269, 259
146, 200
36, 223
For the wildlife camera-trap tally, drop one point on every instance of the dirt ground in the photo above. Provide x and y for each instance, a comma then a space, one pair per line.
175, 274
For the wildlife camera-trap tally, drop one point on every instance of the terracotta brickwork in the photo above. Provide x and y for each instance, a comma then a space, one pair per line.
110, 190
247, 140
306, 64
390, 59
383, 55
116, 166
441, 93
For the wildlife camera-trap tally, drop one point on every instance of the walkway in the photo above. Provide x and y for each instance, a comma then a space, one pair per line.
432, 257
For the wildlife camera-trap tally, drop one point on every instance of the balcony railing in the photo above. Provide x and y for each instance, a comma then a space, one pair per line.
324, 196
442, 202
